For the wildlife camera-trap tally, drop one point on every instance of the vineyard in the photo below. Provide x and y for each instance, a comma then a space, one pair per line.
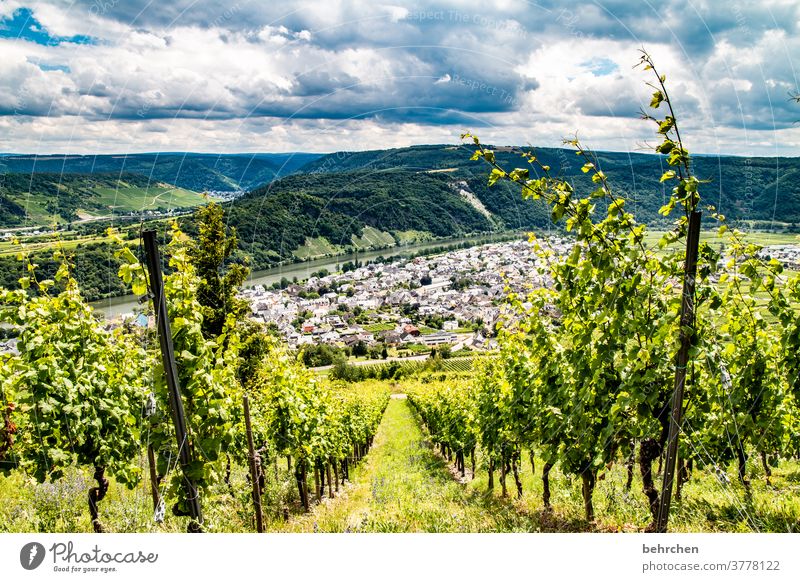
676, 354
672, 368
78, 397
397, 369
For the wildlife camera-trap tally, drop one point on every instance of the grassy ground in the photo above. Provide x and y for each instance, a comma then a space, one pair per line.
375, 327
121, 199
405, 487
712, 238
156, 197
407, 237
62, 507
372, 238
8, 248
316, 247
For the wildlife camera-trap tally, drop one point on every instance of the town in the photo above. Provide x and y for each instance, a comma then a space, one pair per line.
406, 307
411, 305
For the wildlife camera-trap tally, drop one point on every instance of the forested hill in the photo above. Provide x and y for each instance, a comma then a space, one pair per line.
276, 219
753, 188
436, 189
196, 172
374, 199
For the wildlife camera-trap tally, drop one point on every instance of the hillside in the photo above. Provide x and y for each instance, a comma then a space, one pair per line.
759, 189
275, 220
372, 199
47, 198
196, 172
755, 188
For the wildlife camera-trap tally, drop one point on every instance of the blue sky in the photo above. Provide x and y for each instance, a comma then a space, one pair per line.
322, 75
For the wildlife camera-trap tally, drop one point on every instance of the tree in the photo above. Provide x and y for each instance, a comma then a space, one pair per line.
212, 254
359, 348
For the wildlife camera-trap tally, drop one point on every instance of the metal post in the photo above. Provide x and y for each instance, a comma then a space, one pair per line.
253, 473
171, 370
687, 330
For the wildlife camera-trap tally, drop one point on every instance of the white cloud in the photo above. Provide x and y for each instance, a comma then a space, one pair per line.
249, 77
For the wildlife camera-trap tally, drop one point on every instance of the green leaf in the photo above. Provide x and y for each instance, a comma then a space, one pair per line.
657, 99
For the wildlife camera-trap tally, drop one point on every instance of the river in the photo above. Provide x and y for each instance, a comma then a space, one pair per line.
126, 304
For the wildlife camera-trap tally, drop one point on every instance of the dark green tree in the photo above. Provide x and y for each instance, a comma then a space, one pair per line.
213, 253
359, 348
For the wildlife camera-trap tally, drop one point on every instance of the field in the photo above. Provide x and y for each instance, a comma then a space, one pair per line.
372, 238
712, 238
103, 200
315, 248
42, 243
405, 486
159, 197
407, 237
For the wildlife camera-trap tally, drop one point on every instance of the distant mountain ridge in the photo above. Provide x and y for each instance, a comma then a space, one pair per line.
763, 189
191, 171
276, 219
300, 206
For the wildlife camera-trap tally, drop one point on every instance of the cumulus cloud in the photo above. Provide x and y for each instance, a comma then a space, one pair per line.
320, 75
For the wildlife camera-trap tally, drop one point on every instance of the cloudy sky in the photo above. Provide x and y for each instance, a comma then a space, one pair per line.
121, 76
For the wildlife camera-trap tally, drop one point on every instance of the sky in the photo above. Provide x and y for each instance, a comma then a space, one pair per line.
125, 76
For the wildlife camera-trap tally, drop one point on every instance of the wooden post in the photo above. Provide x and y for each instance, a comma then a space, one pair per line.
151, 462
251, 457
171, 373
687, 330
336, 474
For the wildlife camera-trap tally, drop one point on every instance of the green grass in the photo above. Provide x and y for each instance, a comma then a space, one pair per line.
375, 327
44, 243
425, 330
108, 200
372, 238
128, 198
62, 507
315, 248
712, 238
403, 486
707, 504
407, 237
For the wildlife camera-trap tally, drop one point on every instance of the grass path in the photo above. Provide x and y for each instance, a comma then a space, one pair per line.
402, 486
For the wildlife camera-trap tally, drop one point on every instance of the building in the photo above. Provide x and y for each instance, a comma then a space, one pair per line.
439, 338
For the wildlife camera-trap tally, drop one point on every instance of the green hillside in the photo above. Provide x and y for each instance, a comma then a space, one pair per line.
42, 199
753, 188
347, 209
375, 199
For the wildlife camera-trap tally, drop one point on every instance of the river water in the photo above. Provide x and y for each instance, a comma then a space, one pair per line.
125, 305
